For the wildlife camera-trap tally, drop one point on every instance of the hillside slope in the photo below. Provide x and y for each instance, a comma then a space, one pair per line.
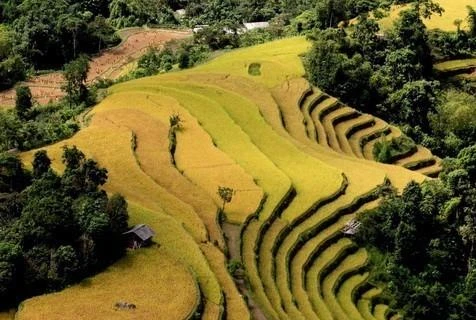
295, 190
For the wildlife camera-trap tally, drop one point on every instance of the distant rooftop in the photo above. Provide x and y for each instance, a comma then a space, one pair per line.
255, 25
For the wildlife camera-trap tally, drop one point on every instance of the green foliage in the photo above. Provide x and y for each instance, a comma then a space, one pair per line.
53, 32
60, 228
387, 151
254, 69
410, 32
365, 36
23, 102
186, 55
452, 45
235, 267
127, 13
154, 62
75, 74
13, 178
424, 243
41, 163
226, 195
218, 36
12, 70
338, 70
413, 103
454, 122
472, 21
256, 36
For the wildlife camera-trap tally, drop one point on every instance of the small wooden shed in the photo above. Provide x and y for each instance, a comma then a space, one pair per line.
139, 236
351, 227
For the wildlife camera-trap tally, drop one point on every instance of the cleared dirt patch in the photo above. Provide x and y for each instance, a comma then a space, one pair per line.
107, 65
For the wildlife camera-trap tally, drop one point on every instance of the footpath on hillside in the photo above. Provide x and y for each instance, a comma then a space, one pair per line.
109, 64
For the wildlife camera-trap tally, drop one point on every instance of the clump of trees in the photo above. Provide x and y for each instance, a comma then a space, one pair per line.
377, 74
55, 228
390, 75
424, 242
127, 13
27, 127
49, 33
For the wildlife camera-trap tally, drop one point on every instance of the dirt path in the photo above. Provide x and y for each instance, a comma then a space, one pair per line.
106, 65
232, 232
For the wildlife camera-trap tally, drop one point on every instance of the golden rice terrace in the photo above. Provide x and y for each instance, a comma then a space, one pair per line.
301, 167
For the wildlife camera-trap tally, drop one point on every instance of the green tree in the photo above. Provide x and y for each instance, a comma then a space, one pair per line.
126, 13
75, 74
64, 265
117, 211
428, 7
81, 175
12, 70
365, 35
410, 32
13, 177
338, 72
72, 157
413, 102
10, 258
73, 22
471, 21
467, 160
41, 163
102, 31
23, 102
400, 66
226, 195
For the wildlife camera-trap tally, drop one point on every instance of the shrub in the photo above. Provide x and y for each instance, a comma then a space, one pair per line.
254, 69
387, 151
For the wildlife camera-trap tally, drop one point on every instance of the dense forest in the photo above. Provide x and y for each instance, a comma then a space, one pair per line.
423, 243
55, 228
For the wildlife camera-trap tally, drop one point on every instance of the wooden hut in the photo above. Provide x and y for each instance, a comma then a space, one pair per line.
351, 227
139, 236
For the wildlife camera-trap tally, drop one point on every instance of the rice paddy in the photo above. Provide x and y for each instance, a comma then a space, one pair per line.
453, 10
296, 160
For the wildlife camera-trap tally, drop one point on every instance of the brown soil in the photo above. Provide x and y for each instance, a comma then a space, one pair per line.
107, 65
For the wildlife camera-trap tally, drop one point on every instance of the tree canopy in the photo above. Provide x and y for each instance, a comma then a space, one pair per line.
56, 229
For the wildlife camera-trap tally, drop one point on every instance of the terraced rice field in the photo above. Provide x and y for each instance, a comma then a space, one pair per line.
298, 163
454, 9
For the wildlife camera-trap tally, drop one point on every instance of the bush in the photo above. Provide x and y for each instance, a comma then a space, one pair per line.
388, 151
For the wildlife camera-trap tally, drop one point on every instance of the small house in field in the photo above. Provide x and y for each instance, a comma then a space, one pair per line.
351, 227
139, 236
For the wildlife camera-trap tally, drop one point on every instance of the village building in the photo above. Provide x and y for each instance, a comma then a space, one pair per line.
255, 25
351, 227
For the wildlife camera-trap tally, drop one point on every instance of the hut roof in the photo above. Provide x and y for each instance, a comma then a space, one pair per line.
351, 227
143, 231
